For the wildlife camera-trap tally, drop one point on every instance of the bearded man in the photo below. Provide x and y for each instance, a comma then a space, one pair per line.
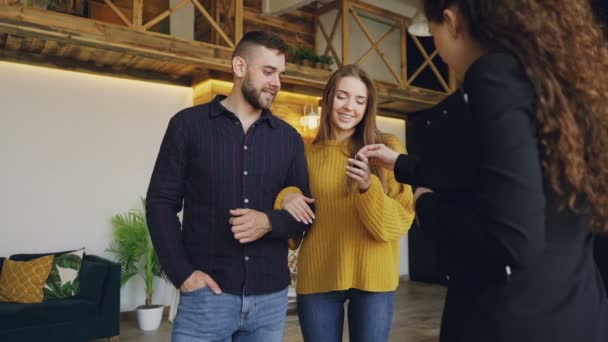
224, 163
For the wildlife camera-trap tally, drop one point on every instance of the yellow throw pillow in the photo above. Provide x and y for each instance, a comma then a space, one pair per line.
22, 281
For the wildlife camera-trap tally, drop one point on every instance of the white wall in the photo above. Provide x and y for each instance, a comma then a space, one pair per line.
397, 128
75, 150
182, 21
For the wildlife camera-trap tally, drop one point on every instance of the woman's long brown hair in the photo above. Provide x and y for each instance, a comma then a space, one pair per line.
565, 56
366, 131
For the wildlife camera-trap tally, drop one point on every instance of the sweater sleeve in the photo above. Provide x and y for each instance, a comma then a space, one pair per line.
387, 216
283, 224
278, 202
503, 222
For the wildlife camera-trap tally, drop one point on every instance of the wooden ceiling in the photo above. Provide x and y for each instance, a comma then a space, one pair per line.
52, 39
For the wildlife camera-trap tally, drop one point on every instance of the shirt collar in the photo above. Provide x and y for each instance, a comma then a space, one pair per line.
218, 109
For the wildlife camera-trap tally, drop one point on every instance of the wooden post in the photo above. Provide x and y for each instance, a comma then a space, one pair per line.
238, 21
452, 80
345, 31
119, 13
138, 14
403, 53
212, 22
216, 10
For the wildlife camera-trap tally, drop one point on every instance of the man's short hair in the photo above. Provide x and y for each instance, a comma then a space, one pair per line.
266, 39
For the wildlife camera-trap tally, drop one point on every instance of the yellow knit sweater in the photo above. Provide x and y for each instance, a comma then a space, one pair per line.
354, 241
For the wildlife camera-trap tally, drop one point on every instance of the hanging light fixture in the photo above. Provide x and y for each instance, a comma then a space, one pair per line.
419, 26
310, 119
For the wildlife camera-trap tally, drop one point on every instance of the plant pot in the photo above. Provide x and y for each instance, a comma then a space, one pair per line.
149, 317
306, 63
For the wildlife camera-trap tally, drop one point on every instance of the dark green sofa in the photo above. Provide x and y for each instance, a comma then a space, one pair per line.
93, 314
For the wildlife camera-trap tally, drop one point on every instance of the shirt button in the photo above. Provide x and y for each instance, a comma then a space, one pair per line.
245, 173
246, 258
445, 112
237, 123
246, 200
245, 147
428, 122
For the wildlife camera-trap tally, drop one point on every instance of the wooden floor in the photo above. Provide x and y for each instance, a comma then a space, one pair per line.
417, 314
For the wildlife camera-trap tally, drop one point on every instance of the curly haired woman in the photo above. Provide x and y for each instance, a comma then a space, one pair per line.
535, 73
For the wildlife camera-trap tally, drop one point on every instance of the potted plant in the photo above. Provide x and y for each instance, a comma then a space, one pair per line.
308, 57
136, 255
327, 61
316, 61
292, 54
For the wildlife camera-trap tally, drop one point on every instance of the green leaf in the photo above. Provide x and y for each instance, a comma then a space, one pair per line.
71, 261
133, 249
49, 294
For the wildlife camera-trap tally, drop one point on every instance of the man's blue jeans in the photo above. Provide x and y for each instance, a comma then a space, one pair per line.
203, 316
369, 315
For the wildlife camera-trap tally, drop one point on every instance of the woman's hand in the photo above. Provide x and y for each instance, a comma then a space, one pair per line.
380, 155
358, 169
297, 205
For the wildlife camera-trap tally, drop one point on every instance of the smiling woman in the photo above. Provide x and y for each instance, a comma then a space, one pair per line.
352, 250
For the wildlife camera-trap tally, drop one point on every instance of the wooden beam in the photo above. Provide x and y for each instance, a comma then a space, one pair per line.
118, 50
54, 48
453, 80
420, 68
371, 40
227, 25
13, 42
26, 21
330, 44
279, 23
32, 44
138, 13
327, 7
366, 7
345, 31
238, 21
119, 13
431, 64
367, 53
213, 23
165, 14
89, 67
403, 33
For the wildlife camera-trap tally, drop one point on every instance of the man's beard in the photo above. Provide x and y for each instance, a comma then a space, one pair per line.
252, 95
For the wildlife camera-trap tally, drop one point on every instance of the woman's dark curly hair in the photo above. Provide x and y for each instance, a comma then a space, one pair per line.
565, 55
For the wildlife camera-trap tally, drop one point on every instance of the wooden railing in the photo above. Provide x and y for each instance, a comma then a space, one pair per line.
228, 28
234, 5
353, 10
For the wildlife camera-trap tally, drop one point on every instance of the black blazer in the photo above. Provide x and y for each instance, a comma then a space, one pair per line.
520, 268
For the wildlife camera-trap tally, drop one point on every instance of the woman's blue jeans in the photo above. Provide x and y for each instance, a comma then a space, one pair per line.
369, 315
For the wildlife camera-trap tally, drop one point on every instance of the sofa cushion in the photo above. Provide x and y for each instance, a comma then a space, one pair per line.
22, 281
63, 281
18, 316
